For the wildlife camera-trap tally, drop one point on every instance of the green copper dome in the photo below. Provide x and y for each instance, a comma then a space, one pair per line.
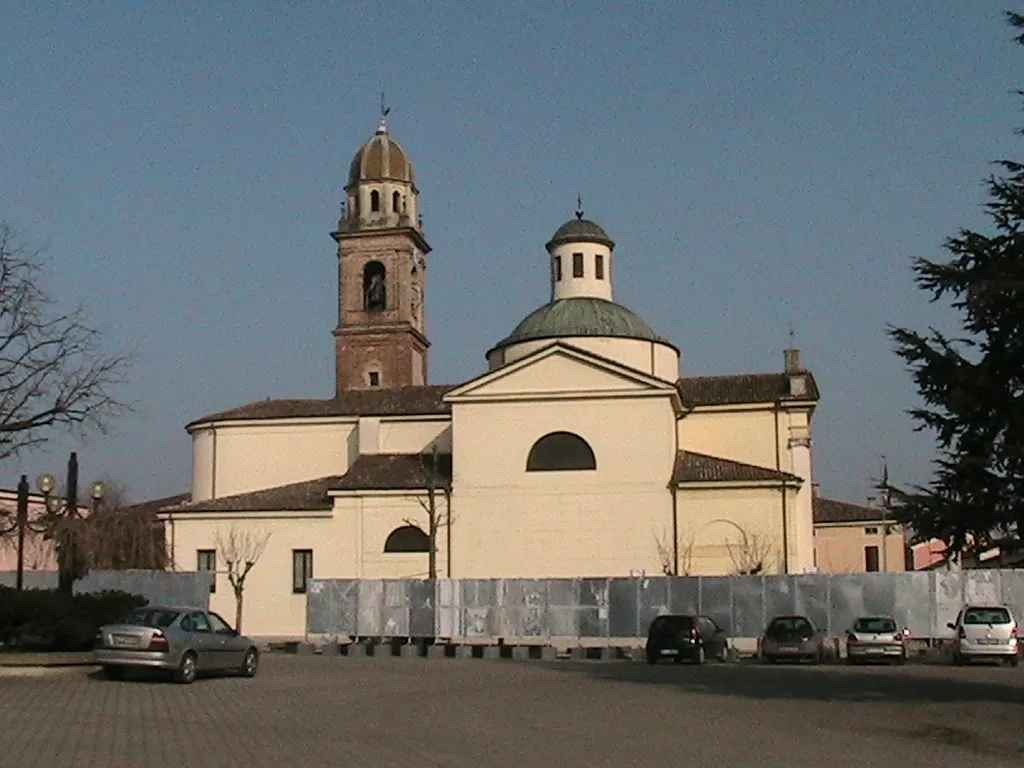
580, 230
581, 316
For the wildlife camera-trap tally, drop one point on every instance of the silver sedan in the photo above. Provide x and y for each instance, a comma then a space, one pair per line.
183, 641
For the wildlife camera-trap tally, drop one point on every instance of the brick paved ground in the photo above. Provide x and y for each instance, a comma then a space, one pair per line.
351, 713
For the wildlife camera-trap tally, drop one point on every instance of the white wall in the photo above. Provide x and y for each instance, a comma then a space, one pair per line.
650, 357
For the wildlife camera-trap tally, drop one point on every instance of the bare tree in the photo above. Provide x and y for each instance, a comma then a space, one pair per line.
240, 550
437, 483
667, 558
122, 536
52, 372
749, 552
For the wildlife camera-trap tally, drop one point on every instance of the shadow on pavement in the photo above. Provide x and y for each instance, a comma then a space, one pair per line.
827, 683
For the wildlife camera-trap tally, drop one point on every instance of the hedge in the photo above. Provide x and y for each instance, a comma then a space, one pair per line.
46, 620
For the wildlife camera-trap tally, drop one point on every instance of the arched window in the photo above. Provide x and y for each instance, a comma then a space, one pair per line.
396, 201
375, 291
408, 538
560, 451
375, 200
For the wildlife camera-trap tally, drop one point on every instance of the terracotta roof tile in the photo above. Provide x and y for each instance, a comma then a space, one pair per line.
310, 495
692, 467
401, 401
830, 511
393, 471
741, 388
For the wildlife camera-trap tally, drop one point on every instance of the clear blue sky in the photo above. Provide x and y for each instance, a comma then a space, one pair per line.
758, 164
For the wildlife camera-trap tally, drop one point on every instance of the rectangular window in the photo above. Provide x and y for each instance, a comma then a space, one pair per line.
599, 266
558, 269
577, 265
870, 559
302, 569
206, 560
872, 531
374, 379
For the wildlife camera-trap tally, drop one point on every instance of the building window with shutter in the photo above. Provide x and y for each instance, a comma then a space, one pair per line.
206, 561
302, 570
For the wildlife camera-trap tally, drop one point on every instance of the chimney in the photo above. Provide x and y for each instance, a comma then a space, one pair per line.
792, 357
816, 490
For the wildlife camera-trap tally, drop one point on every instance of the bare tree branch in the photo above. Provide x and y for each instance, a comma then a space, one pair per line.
240, 550
749, 552
53, 374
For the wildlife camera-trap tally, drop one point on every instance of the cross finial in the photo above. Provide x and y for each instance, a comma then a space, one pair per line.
792, 336
579, 207
384, 112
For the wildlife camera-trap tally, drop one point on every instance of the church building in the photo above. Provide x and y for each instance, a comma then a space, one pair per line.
579, 451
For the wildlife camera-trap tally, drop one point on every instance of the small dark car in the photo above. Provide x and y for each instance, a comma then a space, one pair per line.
694, 638
792, 637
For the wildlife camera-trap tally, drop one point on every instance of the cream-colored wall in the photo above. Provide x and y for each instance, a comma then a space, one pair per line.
252, 456
511, 523
741, 435
413, 435
270, 607
572, 287
840, 548
650, 357
723, 530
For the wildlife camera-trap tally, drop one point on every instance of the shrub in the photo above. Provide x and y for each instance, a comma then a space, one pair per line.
42, 619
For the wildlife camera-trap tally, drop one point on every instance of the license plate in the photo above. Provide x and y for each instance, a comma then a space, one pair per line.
669, 651
876, 650
789, 647
990, 641
125, 640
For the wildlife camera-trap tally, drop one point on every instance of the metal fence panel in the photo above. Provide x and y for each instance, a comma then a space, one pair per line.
652, 601
684, 594
622, 607
949, 598
716, 599
812, 599
563, 608
779, 596
748, 619
30, 580
487, 609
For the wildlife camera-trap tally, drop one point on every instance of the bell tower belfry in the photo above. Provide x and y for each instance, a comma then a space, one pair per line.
380, 339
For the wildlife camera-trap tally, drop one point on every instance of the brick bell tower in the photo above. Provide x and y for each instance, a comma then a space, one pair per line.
381, 334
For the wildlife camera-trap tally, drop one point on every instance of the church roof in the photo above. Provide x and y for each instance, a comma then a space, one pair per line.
741, 388
693, 467
580, 230
369, 472
581, 316
380, 159
828, 511
400, 401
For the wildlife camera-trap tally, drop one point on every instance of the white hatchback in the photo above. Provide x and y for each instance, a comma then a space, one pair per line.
986, 632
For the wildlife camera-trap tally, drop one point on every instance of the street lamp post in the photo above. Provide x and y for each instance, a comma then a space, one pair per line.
61, 514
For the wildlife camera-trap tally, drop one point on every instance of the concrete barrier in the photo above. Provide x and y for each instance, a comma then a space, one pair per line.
436, 651
410, 651
521, 653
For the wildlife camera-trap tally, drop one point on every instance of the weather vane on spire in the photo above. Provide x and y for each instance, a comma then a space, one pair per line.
384, 112
579, 206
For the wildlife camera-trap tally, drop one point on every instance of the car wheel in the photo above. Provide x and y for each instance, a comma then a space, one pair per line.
250, 662
723, 655
902, 658
850, 659
1013, 661
652, 659
113, 672
701, 656
958, 660
678, 658
187, 669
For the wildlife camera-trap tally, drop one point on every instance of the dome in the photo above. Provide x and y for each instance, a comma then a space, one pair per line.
380, 159
580, 230
583, 316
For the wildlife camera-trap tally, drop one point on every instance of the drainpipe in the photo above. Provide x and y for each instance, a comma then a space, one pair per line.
785, 510
675, 529
213, 465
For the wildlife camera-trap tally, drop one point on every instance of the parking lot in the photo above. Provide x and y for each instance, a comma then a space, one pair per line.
349, 713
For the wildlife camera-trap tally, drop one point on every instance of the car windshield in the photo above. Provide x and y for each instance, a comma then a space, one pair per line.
874, 625
987, 616
672, 623
154, 617
790, 624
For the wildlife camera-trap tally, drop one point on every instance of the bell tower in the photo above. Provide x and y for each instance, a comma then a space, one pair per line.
380, 339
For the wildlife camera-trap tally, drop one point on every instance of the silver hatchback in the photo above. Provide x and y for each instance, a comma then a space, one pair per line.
183, 641
986, 632
876, 638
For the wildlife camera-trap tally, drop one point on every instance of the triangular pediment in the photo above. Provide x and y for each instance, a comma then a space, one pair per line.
560, 370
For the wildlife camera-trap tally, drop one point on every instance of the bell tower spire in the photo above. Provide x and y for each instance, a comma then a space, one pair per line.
380, 339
